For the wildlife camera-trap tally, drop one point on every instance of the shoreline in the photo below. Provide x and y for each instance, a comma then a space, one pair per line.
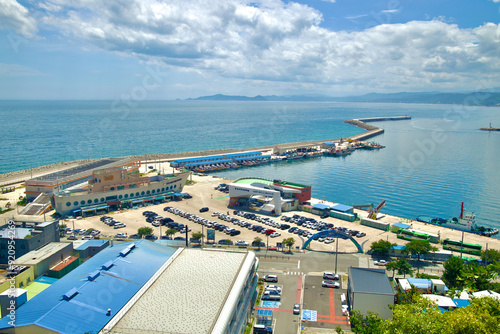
14, 177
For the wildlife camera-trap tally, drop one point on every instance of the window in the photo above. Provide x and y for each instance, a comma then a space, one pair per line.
153, 191
175, 186
120, 187
120, 197
96, 200
142, 193
148, 192
75, 203
82, 202
112, 188
89, 201
162, 189
126, 195
102, 199
68, 203
137, 194
28, 280
131, 194
21, 284
132, 185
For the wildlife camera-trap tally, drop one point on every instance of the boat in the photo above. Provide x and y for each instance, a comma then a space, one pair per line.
465, 222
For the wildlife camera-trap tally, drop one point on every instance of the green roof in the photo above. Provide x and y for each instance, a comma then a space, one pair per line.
250, 180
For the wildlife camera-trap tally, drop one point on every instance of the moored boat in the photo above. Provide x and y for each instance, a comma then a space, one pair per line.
465, 222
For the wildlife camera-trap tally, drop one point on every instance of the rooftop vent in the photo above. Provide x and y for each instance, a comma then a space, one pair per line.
70, 294
127, 250
107, 265
93, 275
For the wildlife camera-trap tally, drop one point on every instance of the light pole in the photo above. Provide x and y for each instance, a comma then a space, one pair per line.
336, 251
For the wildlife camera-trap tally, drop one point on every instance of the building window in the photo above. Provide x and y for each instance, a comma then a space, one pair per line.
28, 280
96, 200
95, 180
162, 189
137, 194
132, 185
82, 202
131, 194
142, 193
75, 203
175, 186
112, 188
148, 192
102, 199
153, 191
68, 203
126, 195
21, 284
120, 187
157, 190
89, 201
120, 196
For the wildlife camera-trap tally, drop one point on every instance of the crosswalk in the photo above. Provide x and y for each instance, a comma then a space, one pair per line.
294, 273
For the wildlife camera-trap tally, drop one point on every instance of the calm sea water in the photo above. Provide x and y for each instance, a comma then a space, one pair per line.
430, 164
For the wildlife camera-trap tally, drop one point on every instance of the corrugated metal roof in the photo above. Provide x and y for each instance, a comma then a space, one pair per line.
242, 154
369, 280
401, 225
420, 283
341, 207
208, 157
320, 206
112, 289
91, 243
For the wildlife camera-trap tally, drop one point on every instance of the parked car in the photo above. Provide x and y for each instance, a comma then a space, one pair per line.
205, 209
135, 236
120, 236
72, 237
241, 243
331, 276
275, 234
151, 237
296, 308
180, 238
330, 284
380, 263
271, 278
119, 225
88, 237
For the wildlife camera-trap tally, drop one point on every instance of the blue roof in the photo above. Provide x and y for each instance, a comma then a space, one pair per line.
398, 247
244, 154
461, 302
401, 225
329, 143
320, 206
420, 283
209, 162
264, 312
341, 207
208, 157
86, 310
91, 243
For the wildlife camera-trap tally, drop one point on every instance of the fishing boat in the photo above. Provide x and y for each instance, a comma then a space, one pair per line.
465, 222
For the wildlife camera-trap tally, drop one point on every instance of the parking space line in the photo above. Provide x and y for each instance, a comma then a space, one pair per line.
332, 318
274, 309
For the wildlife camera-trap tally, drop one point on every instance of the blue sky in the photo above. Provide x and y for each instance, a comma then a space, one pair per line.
154, 49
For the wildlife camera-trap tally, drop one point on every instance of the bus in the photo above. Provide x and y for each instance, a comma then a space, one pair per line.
464, 247
412, 235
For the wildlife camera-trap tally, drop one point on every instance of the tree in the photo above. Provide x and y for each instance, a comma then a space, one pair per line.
381, 247
197, 235
144, 231
365, 325
289, 242
403, 267
392, 266
7, 205
419, 247
258, 240
490, 255
453, 268
170, 232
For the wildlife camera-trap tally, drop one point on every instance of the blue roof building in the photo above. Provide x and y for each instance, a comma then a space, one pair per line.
78, 302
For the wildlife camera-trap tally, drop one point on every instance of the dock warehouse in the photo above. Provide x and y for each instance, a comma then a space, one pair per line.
211, 160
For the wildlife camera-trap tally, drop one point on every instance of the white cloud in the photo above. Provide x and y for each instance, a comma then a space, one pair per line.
17, 17
15, 70
272, 41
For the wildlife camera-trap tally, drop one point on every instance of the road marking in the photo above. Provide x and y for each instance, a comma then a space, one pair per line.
299, 290
298, 265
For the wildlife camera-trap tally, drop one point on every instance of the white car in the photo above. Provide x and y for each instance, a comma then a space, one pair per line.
329, 240
275, 287
380, 263
241, 243
119, 225
275, 234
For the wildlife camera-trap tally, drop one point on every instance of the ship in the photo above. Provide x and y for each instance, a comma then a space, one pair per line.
465, 222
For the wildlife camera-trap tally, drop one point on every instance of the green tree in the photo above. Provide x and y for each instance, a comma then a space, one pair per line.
171, 232
289, 242
419, 248
197, 235
392, 266
258, 240
369, 324
381, 247
144, 231
453, 268
490, 255
403, 267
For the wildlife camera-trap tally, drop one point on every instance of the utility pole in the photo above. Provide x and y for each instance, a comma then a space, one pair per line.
186, 236
486, 256
462, 245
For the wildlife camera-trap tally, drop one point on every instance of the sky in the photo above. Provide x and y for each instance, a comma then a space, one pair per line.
170, 49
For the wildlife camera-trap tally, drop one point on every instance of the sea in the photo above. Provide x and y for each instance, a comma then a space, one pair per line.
430, 164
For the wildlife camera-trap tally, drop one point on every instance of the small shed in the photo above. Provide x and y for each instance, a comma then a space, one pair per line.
342, 208
396, 226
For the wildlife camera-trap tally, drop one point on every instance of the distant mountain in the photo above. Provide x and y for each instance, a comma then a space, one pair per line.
482, 98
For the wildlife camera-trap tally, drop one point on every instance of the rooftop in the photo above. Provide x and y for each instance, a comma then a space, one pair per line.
38, 255
84, 244
77, 303
370, 281
199, 293
86, 168
251, 180
19, 232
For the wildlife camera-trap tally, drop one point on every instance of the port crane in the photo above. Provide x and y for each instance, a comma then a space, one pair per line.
372, 214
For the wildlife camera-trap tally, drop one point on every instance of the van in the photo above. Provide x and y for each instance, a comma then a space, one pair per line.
262, 329
271, 278
274, 298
